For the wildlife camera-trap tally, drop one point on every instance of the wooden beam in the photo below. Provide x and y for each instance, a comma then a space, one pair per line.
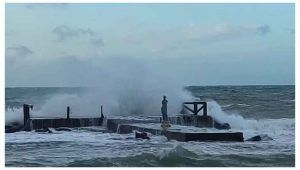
200, 108
188, 108
68, 112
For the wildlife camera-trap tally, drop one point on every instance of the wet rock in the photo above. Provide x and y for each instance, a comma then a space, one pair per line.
142, 135
265, 137
260, 138
219, 125
254, 138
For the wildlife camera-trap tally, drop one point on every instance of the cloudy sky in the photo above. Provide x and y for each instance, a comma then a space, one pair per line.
194, 44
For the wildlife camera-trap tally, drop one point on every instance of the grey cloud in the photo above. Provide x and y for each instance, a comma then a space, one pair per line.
263, 30
216, 34
47, 5
64, 32
97, 42
18, 50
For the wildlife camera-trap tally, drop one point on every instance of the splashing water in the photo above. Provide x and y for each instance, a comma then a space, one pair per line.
236, 121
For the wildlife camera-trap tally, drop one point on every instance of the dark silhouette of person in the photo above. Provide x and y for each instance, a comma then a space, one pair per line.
164, 109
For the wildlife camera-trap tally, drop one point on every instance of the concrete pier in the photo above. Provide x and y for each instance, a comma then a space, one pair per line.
175, 132
185, 127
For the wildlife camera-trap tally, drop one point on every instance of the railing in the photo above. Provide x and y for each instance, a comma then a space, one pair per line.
44, 122
28, 107
196, 109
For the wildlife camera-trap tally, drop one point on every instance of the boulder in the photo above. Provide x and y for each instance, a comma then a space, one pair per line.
142, 135
219, 125
260, 138
254, 138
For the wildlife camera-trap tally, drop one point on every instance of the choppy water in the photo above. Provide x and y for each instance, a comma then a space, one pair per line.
254, 110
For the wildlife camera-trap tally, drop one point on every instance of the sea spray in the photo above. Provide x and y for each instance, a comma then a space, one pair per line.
127, 102
236, 121
119, 101
14, 115
250, 127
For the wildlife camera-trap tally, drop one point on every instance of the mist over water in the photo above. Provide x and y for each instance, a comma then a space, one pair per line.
130, 86
115, 101
118, 100
124, 86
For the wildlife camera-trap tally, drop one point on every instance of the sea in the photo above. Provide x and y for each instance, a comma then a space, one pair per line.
268, 111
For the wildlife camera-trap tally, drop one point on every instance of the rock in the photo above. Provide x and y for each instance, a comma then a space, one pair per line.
254, 138
265, 137
219, 125
260, 138
142, 135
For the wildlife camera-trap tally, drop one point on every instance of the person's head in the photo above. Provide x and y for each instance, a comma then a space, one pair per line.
165, 97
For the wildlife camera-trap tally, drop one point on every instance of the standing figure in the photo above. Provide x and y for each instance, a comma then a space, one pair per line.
164, 110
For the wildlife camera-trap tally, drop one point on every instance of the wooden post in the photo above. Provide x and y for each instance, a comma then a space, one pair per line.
195, 108
26, 113
205, 109
68, 112
102, 111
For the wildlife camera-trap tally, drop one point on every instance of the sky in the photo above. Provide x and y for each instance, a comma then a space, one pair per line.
188, 44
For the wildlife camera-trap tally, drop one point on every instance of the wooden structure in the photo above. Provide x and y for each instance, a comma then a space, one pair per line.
33, 123
197, 107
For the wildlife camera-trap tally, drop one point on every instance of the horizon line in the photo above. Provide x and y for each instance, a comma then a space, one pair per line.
182, 86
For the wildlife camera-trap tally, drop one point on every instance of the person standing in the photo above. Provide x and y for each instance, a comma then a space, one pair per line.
164, 111
164, 108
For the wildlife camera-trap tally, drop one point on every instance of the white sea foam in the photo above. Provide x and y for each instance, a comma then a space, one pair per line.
236, 121
83, 144
13, 115
89, 145
280, 129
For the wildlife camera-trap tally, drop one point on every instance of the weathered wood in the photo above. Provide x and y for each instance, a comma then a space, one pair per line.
195, 109
26, 112
188, 108
205, 109
68, 112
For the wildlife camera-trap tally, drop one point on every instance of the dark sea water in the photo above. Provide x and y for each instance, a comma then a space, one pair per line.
254, 110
